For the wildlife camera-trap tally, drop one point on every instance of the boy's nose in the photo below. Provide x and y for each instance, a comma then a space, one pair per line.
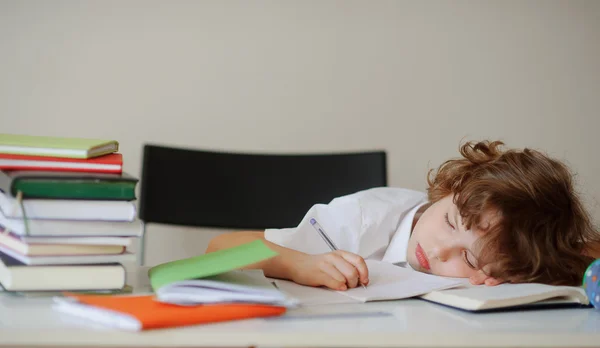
442, 251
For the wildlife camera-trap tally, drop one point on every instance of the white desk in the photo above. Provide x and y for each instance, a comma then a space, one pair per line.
414, 323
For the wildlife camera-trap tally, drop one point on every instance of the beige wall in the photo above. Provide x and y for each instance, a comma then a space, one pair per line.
414, 78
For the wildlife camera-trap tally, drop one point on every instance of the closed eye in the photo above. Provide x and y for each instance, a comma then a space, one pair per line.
448, 221
465, 256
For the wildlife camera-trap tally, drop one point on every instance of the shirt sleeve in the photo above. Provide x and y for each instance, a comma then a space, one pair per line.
362, 223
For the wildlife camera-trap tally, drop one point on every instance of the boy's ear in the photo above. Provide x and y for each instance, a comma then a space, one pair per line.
480, 278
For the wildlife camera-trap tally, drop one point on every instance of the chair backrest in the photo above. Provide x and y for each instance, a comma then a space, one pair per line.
248, 191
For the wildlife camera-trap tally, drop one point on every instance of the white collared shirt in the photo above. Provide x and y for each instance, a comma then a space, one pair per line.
374, 223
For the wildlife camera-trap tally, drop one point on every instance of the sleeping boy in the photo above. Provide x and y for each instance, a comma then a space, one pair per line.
492, 216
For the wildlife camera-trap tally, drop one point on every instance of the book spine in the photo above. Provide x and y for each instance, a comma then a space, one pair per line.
79, 190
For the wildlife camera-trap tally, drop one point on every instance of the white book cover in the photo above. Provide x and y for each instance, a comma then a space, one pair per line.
64, 278
482, 297
71, 228
111, 319
69, 260
63, 209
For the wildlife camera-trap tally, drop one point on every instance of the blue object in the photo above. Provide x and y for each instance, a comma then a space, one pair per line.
591, 283
323, 235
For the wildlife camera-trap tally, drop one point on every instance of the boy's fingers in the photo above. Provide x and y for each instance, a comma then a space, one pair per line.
492, 281
348, 271
480, 278
359, 264
332, 277
475, 280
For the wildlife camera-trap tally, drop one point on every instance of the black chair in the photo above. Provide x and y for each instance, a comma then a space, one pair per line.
247, 191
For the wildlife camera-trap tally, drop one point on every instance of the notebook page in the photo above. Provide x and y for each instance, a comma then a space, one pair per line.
311, 296
238, 281
390, 282
233, 286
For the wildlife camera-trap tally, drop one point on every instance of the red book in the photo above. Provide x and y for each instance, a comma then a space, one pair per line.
112, 163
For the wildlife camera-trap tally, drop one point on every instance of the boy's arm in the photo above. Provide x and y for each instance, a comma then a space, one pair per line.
336, 270
280, 266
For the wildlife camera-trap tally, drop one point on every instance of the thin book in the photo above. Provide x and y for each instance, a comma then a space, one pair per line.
53, 146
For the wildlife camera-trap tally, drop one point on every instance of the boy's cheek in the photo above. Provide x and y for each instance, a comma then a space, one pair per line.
455, 269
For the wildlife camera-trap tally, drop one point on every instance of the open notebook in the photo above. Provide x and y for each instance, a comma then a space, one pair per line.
217, 278
386, 282
506, 296
238, 286
390, 282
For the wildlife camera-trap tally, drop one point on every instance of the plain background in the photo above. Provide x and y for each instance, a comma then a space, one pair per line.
412, 77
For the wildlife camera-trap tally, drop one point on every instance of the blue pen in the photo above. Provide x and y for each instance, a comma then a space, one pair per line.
326, 238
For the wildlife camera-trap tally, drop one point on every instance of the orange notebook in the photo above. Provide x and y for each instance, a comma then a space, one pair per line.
112, 163
144, 312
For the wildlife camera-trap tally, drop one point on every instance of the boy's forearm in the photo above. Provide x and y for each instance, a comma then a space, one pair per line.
280, 266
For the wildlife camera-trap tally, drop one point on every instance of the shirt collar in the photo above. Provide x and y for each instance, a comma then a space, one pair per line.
396, 250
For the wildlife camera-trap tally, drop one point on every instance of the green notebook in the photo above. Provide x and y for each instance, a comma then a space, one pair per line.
17, 144
209, 264
69, 185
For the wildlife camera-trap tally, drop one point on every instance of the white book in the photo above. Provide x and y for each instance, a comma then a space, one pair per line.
71, 228
248, 286
70, 259
482, 297
16, 276
64, 209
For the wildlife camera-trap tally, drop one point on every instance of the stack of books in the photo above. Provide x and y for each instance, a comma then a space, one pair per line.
67, 214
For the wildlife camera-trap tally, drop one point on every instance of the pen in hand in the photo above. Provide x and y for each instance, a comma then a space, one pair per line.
327, 240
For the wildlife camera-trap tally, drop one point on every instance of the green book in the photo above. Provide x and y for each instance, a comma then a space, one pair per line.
210, 264
18, 144
69, 185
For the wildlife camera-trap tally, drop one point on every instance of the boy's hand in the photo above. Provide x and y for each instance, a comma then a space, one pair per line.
480, 278
337, 270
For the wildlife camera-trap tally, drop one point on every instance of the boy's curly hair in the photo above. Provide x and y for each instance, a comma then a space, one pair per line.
540, 229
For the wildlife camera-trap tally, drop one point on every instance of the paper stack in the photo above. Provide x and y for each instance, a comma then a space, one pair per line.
217, 277
204, 289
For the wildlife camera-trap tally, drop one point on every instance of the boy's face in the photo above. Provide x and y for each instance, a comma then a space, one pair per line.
440, 244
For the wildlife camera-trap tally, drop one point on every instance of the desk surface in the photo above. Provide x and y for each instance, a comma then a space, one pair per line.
413, 323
